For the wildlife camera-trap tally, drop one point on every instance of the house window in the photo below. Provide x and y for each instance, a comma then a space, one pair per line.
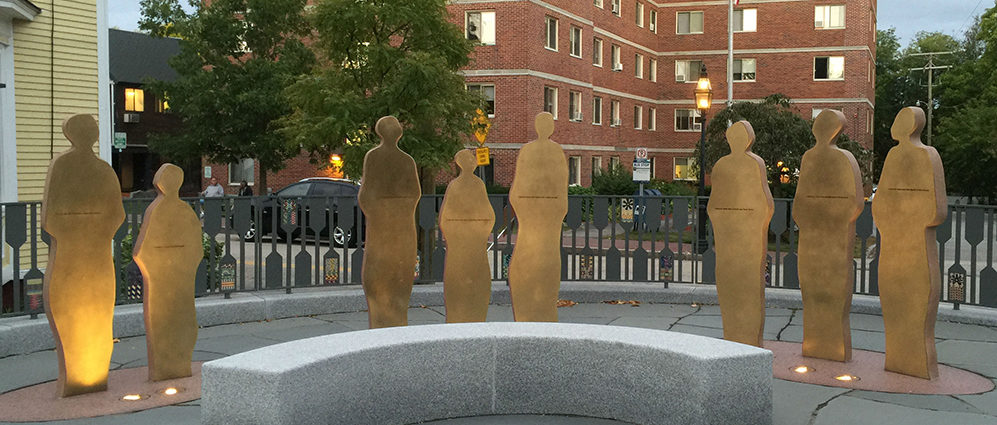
688, 120
616, 7
134, 100
652, 21
596, 165
550, 100
614, 162
575, 105
639, 65
652, 119
829, 68
614, 113
488, 92
829, 17
481, 27
638, 117
576, 41
617, 65
689, 23
597, 110
551, 34
683, 169
687, 71
744, 70
652, 71
597, 3
242, 170
639, 11
746, 20
575, 170
597, 51
654, 165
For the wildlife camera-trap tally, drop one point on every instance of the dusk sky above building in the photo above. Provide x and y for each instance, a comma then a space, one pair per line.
907, 16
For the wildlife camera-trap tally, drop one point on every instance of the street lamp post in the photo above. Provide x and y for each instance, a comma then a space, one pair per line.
704, 97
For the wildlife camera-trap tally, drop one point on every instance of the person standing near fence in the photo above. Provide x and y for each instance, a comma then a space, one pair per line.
213, 190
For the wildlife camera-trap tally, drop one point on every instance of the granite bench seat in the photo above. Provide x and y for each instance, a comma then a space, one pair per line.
420, 373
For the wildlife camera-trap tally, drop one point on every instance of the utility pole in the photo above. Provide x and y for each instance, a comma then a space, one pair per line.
930, 68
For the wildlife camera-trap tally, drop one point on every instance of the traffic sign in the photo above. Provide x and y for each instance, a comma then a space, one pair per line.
482, 154
641, 153
120, 140
642, 170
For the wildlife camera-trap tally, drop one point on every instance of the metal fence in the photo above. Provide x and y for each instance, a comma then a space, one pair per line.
269, 243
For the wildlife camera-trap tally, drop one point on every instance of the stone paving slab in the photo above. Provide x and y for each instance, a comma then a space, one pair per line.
856, 411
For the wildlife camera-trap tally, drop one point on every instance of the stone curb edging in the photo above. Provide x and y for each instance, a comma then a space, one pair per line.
21, 335
421, 373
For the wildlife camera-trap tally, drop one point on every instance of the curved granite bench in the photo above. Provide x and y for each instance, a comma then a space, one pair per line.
420, 373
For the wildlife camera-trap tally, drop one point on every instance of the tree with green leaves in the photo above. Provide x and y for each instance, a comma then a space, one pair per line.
237, 58
781, 136
384, 58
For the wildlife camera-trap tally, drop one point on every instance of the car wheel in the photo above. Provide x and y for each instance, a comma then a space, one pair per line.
339, 237
250, 233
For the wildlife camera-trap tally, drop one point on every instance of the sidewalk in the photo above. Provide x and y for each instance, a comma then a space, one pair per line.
969, 347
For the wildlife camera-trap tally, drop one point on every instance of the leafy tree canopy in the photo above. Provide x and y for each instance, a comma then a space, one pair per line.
384, 58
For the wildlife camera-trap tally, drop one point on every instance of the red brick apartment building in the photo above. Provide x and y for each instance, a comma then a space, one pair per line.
620, 74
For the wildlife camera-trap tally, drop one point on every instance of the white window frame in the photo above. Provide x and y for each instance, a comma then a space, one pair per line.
829, 59
692, 127
614, 113
652, 119
826, 11
596, 110
639, 65
616, 53
638, 117
547, 27
686, 75
690, 13
754, 63
639, 14
690, 162
553, 109
481, 87
575, 106
598, 3
596, 165
575, 164
617, 8
652, 21
575, 41
744, 14
654, 165
614, 162
652, 70
481, 31
597, 51
250, 179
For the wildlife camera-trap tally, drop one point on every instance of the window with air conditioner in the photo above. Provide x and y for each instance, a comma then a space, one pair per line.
488, 93
639, 65
614, 113
597, 110
689, 23
687, 71
688, 120
684, 169
551, 39
744, 70
616, 7
652, 21
597, 51
746, 20
480, 27
617, 64
575, 106
829, 68
134, 100
550, 100
597, 3
829, 17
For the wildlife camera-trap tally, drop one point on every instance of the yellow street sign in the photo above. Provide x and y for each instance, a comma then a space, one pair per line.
482, 154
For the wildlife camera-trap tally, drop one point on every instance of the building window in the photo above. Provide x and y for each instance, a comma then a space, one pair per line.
638, 117
652, 71
551, 33
481, 27
687, 71
597, 51
162, 105
596, 165
575, 106
614, 113
744, 70
576, 41
654, 165
652, 21
597, 3
616, 8
688, 120
617, 65
134, 100
683, 169
575, 170
597, 110
829, 68
639, 65
652, 119
550, 100
689, 23
639, 11
242, 170
829, 17
746, 20
614, 162
488, 92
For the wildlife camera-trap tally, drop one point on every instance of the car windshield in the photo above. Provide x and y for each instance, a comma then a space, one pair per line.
293, 191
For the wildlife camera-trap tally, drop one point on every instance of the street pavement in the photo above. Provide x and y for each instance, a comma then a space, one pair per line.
969, 347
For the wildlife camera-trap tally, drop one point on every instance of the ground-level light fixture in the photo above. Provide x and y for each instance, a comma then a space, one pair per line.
803, 369
132, 397
847, 378
171, 391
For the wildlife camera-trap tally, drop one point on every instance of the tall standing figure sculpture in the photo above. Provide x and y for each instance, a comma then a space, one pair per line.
81, 210
388, 197
539, 195
828, 201
740, 208
909, 204
168, 250
466, 220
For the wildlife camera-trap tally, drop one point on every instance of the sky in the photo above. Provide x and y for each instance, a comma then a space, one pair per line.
952, 17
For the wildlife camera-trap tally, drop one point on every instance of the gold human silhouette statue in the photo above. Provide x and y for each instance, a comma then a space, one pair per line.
909, 205
466, 220
168, 250
388, 197
829, 198
81, 210
740, 208
539, 195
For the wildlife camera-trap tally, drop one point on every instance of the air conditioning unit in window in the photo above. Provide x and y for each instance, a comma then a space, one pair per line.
131, 118
680, 78
618, 67
652, 27
697, 126
576, 117
616, 122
